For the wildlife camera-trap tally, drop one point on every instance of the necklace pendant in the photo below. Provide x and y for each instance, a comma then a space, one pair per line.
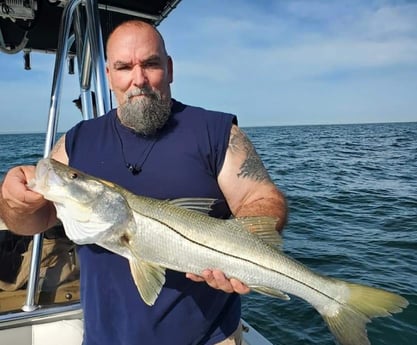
134, 169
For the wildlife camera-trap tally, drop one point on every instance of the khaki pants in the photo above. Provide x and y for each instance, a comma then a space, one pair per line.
235, 338
57, 264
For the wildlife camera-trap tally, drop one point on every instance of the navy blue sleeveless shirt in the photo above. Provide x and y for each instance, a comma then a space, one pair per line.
184, 160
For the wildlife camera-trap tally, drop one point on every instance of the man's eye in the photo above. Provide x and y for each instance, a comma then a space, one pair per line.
151, 64
122, 68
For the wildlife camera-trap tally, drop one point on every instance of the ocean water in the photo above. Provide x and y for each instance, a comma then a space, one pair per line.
352, 196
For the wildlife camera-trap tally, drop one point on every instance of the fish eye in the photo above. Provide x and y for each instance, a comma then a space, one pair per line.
73, 176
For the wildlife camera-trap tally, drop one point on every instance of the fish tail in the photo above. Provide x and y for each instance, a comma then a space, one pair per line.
348, 323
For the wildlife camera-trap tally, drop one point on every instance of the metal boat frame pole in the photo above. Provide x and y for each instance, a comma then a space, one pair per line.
64, 40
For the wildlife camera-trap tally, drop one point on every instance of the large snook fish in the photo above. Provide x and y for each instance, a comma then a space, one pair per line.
154, 235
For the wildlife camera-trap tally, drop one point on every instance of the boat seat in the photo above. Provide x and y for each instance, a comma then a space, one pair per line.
58, 277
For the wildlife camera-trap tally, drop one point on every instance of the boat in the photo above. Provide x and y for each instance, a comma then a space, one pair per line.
42, 306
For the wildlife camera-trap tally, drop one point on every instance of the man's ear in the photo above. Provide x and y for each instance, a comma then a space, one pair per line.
108, 77
170, 66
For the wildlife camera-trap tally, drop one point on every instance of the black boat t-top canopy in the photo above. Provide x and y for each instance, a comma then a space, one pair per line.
34, 24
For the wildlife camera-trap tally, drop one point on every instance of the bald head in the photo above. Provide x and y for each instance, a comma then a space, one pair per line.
138, 26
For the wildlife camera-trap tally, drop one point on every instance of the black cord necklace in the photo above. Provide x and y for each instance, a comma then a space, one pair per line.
135, 168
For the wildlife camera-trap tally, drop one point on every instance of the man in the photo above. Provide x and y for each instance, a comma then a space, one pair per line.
156, 146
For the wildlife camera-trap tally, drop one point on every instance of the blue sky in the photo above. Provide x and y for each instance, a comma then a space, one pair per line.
282, 62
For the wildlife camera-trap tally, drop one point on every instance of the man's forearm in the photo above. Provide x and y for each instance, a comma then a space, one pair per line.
274, 205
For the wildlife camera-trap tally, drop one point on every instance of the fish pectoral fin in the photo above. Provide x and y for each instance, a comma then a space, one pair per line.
271, 292
263, 227
149, 279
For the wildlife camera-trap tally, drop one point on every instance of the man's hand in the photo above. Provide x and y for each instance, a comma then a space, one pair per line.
22, 210
217, 280
15, 192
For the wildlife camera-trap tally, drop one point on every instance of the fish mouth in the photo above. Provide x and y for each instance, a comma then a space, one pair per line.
45, 177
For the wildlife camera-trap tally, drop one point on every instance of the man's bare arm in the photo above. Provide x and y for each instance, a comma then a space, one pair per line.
246, 183
58, 152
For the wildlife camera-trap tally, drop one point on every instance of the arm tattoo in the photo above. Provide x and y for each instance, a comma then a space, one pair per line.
252, 167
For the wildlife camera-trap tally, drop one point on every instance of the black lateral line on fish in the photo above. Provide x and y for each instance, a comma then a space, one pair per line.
243, 259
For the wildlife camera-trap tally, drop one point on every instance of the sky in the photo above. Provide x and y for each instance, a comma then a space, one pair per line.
281, 62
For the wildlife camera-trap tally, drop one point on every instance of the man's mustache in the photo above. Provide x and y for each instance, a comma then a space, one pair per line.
142, 91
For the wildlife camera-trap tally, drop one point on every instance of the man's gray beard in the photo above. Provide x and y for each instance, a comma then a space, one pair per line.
147, 114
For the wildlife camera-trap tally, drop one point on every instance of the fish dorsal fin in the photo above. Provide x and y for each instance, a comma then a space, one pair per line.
271, 292
202, 205
263, 227
217, 208
149, 279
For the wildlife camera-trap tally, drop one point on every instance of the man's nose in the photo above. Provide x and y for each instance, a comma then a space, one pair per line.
139, 76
